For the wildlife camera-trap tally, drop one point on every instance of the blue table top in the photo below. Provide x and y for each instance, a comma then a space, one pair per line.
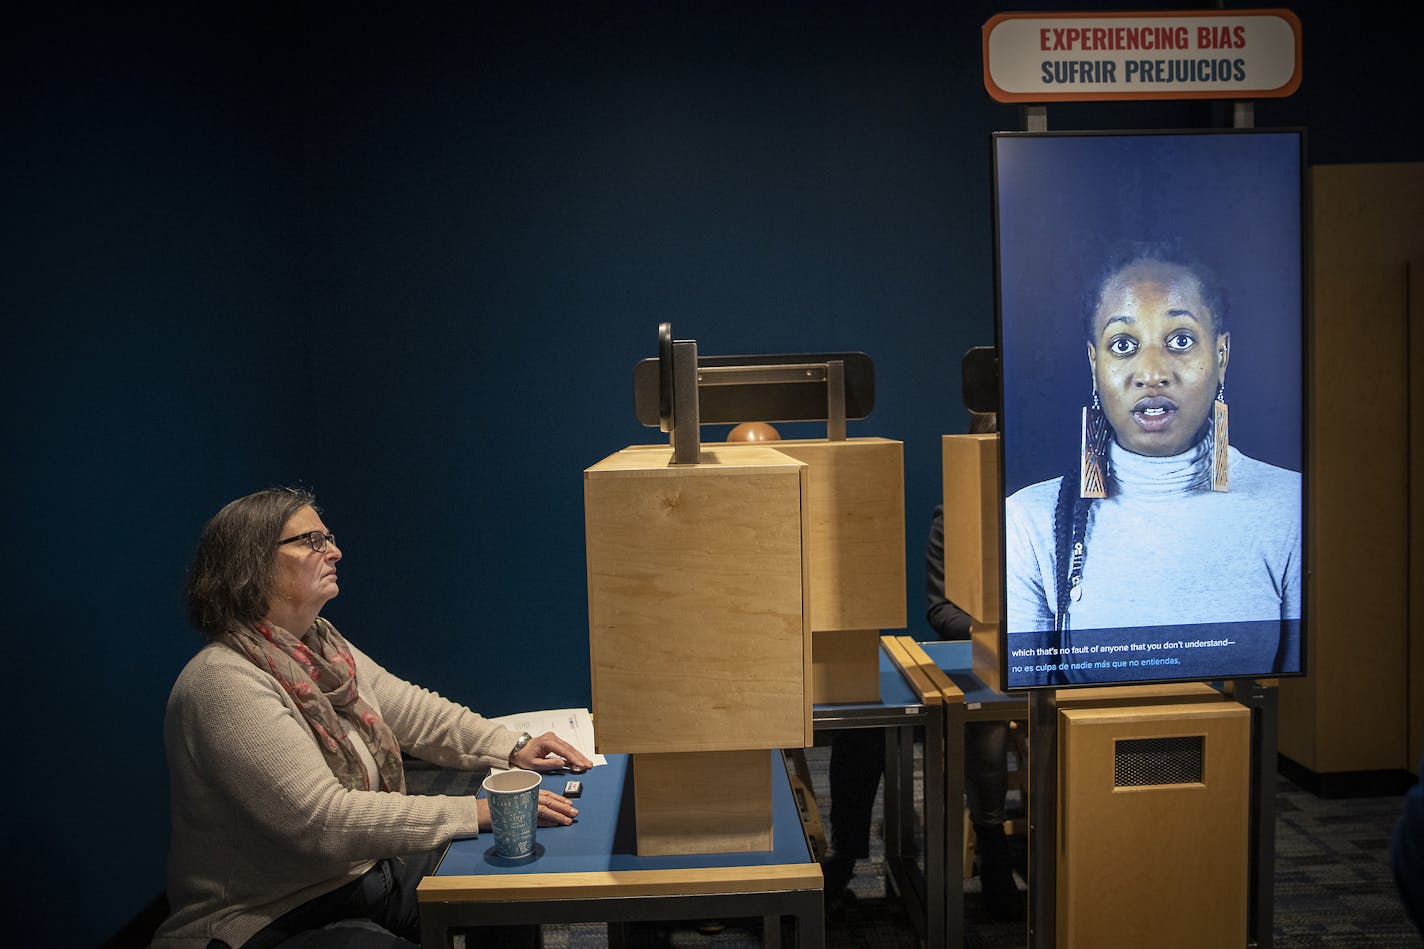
951, 655
604, 835
956, 659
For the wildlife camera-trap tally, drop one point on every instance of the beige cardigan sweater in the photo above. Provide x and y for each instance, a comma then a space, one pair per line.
259, 823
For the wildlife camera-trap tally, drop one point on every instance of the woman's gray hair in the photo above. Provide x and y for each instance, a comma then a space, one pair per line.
232, 578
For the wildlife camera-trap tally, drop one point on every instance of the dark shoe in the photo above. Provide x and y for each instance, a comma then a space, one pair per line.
836, 871
840, 906
1002, 899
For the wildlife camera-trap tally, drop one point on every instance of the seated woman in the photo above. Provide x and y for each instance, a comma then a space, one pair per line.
1164, 524
284, 750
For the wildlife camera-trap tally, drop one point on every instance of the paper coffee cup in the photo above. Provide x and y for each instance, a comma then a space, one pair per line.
514, 810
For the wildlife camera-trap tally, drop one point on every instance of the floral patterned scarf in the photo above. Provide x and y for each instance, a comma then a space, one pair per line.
321, 679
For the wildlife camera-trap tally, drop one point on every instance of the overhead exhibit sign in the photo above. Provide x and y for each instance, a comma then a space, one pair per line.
1046, 57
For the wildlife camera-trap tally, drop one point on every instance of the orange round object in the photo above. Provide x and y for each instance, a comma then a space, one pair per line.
753, 432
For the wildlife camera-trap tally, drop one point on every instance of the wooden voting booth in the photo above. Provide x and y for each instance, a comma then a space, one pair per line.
729, 587
699, 636
1150, 791
857, 543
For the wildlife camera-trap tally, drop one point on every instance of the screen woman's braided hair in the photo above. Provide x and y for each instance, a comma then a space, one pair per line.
1071, 512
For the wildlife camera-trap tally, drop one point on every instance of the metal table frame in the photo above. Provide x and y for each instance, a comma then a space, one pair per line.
439, 919
910, 701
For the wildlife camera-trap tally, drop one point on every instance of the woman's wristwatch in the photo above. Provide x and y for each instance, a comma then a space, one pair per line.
523, 740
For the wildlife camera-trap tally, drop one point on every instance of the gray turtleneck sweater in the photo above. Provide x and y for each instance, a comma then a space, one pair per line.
1164, 550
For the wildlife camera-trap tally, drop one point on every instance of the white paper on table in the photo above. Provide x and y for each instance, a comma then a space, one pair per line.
573, 725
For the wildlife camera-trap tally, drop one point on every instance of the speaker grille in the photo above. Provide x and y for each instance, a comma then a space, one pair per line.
1144, 762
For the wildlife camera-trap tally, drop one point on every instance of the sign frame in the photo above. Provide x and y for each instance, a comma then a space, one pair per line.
1269, 40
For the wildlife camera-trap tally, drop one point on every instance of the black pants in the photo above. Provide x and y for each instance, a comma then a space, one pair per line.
986, 771
857, 762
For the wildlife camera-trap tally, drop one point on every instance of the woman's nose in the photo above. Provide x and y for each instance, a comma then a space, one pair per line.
1152, 370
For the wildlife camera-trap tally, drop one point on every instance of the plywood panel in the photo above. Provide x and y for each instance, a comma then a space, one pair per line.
1162, 865
857, 530
972, 578
697, 586
1137, 695
845, 665
929, 669
926, 679
984, 643
1366, 222
707, 802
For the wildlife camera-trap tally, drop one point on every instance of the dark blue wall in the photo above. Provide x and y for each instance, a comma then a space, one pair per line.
156, 343
500, 219
409, 259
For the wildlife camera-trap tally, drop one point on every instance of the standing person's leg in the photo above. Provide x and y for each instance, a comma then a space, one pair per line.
986, 782
986, 771
857, 762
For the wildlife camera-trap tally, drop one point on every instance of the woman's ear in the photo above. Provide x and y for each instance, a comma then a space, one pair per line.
1223, 354
1093, 363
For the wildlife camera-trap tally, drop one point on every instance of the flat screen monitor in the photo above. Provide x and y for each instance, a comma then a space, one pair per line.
1151, 336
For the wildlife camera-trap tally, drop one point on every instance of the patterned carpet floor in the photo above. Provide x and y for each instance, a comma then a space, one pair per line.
1333, 886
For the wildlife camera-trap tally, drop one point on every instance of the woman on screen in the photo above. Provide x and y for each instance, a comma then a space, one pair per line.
1163, 522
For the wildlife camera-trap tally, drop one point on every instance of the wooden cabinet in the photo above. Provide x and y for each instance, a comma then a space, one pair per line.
699, 631
1153, 824
705, 582
1359, 709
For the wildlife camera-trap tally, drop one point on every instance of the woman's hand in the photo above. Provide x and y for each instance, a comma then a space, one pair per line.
549, 752
554, 811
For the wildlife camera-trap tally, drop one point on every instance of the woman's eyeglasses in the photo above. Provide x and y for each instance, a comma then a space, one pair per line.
317, 540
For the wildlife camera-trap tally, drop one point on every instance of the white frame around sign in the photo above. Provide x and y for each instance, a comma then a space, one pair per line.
1211, 54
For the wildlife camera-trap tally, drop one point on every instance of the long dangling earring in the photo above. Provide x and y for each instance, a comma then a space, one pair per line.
1092, 474
1220, 464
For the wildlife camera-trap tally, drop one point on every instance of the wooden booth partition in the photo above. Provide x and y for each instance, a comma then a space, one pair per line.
699, 633
702, 802
972, 580
857, 557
